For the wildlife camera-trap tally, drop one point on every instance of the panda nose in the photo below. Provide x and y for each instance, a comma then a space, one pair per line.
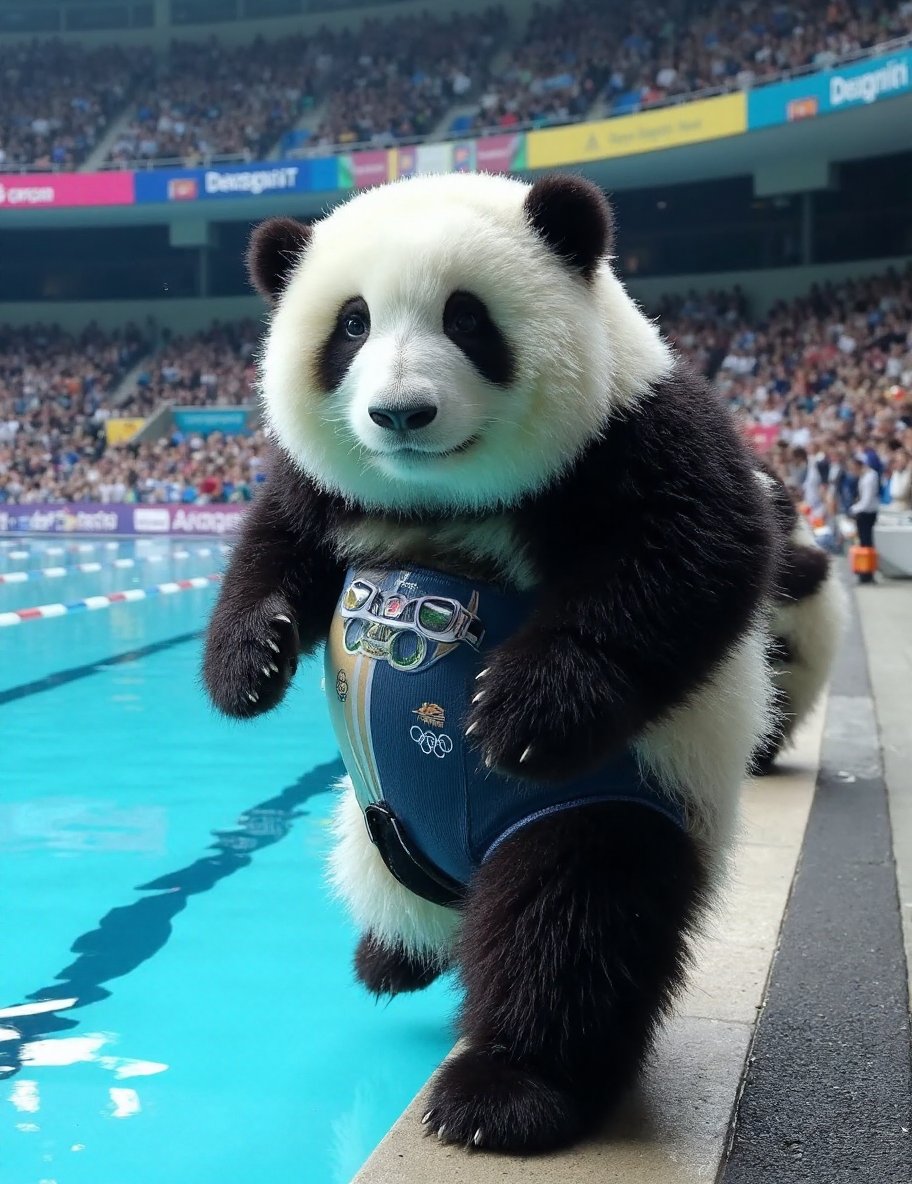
403, 419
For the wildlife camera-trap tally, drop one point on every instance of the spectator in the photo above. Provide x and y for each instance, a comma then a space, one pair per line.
866, 507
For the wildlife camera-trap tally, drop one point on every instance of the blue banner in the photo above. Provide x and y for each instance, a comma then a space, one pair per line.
270, 178
827, 91
203, 420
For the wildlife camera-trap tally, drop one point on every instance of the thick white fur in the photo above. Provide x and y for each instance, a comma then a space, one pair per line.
376, 900
700, 749
813, 628
583, 350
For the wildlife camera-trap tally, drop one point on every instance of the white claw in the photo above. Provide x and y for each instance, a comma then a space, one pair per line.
273, 668
265, 670
488, 761
253, 697
427, 1118
440, 1131
471, 728
478, 698
282, 617
482, 673
477, 1137
525, 756
272, 645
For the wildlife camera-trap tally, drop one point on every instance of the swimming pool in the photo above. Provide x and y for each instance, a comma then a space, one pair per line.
176, 996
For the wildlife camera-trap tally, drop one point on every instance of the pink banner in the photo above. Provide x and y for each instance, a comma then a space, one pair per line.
370, 168
32, 191
495, 154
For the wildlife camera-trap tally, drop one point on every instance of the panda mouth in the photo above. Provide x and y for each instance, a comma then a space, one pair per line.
409, 453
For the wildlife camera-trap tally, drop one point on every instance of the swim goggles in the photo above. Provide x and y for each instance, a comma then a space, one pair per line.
397, 628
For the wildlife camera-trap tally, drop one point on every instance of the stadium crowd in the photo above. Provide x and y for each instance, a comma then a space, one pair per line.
395, 78
819, 382
57, 100
635, 55
823, 382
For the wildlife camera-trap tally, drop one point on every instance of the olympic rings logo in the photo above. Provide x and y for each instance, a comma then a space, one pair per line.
432, 743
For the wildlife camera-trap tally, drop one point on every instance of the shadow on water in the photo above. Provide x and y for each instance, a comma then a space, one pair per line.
129, 935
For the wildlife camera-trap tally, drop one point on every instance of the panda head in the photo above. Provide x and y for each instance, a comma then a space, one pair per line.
448, 343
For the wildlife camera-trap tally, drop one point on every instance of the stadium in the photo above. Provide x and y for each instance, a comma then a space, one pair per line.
178, 1001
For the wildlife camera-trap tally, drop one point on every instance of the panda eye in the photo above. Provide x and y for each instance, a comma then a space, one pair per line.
354, 325
465, 322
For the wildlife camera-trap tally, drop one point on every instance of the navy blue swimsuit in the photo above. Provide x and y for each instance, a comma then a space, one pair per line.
401, 660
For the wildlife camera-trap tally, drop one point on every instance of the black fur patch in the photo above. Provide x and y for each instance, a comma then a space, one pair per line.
484, 344
800, 571
339, 349
388, 970
275, 247
573, 217
573, 944
281, 566
654, 553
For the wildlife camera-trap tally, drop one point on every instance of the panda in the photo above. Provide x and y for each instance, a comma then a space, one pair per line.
807, 613
533, 546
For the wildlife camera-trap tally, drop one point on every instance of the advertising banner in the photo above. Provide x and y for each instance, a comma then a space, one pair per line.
122, 430
91, 518
464, 156
38, 191
501, 154
648, 131
203, 420
839, 89
361, 170
234, 181
423, 158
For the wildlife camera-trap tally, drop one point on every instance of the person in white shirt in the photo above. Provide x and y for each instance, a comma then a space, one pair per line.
866, 507
900, 479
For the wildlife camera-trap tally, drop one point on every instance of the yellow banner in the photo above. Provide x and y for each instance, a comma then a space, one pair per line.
120, 431
647, 131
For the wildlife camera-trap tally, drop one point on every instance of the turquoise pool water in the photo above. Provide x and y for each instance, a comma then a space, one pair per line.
161, 883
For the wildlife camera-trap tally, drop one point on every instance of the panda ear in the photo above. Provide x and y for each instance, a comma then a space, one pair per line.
275, 247
573, 217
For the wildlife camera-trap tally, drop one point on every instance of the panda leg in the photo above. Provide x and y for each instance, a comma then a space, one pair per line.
574, 941
392, 970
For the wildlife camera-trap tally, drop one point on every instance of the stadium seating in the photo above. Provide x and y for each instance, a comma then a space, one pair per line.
828, 373
397, 78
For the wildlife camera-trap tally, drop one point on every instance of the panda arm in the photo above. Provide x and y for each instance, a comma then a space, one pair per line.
654, 556
277, 596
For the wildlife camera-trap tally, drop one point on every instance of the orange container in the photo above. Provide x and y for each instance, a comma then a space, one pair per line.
863, 560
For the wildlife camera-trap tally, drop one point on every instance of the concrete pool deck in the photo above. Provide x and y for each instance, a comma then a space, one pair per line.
788, 1057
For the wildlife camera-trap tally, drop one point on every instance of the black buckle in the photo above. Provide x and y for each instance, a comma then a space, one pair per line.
407, 864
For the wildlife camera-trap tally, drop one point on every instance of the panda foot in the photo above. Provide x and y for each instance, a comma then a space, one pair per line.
483, 1102
386, 970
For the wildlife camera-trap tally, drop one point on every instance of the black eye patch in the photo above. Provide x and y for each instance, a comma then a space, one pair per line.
468, 324
351, 330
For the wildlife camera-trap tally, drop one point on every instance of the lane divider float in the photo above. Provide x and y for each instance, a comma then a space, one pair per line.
93, 603
53, 573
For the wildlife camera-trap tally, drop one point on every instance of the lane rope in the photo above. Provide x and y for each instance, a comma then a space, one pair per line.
52, 573
42, 612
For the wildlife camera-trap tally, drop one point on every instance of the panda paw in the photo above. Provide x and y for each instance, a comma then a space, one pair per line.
392, 970
250, 659
483, 1102
532, 713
